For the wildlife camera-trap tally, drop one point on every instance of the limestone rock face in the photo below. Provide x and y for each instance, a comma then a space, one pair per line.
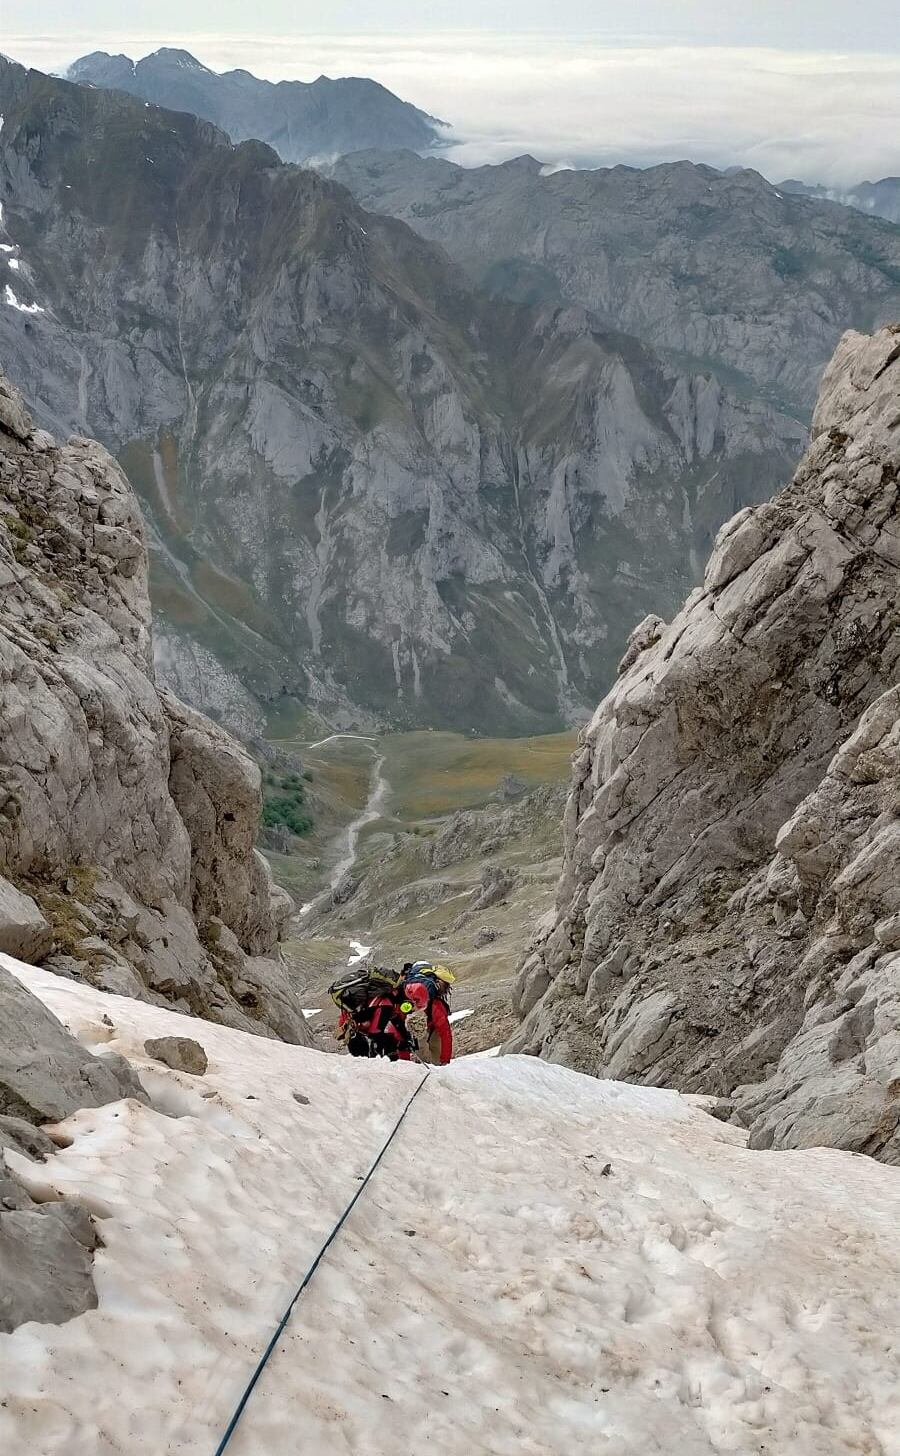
718, 265
46, 1254
45, 1074
46, 1248
726, 915
126, 821
24, 932
373, 489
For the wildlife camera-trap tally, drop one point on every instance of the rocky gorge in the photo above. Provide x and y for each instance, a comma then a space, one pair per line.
727, 916
371, 490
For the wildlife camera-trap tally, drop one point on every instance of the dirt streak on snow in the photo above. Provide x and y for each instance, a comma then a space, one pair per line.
694, 1298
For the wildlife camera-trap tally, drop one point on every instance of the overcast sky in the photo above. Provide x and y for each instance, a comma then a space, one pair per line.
809, 88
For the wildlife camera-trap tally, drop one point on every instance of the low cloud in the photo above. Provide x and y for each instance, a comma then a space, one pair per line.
832, 118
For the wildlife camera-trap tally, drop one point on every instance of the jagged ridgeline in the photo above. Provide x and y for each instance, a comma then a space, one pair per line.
719, 271
303, 121
728, 917
369, 488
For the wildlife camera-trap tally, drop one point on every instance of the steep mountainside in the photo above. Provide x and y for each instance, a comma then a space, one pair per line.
303, 121
369, 488
127, 821
717, 268
729, 910
879, 199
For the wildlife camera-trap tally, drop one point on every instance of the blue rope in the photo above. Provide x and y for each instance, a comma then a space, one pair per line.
279, 1328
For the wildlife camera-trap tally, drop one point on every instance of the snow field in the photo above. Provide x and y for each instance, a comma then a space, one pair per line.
542, 1264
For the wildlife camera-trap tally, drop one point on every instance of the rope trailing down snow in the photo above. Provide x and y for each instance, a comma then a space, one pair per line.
279, 1328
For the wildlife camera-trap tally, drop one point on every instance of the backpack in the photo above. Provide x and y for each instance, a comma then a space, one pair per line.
437, 980
356, 989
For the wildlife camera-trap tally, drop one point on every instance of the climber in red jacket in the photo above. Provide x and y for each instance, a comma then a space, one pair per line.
377, 1031
426, 987
375, 1004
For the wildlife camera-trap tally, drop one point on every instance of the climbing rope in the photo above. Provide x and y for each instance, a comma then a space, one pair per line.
279, 1328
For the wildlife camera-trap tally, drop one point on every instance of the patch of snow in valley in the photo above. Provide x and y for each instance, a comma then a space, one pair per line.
461, 1015
590, 1266
315, 1011
358, 952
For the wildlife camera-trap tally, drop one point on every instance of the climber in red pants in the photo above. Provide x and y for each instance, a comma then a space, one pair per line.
426, 987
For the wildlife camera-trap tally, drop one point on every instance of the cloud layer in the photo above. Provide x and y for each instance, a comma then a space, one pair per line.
822, 116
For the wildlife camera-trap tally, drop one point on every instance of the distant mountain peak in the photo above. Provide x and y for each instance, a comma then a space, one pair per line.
176, 57
303, 121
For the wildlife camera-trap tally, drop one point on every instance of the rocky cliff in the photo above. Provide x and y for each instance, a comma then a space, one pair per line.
728, 917
127, 821
370, 488
718, 268
303, 121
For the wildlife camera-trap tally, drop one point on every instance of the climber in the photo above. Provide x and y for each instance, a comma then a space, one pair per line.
374, 1004
371, 1022
426, 987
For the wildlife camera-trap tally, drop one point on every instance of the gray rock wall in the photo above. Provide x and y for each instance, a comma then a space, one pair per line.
46, 1248
127, 822
370, 488
724, 920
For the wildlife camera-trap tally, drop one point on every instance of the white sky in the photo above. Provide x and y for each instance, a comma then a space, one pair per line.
807, 88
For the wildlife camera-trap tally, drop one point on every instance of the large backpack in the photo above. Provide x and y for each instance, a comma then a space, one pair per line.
436, 979
354, 991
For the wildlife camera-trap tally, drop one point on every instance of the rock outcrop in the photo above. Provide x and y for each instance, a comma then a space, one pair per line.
728, 917
127, 821
45, 1074
46, 1246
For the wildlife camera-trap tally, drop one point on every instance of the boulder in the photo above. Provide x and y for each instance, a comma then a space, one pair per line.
45, 1074
25, 932
496, 884
46, 1258
181, 1053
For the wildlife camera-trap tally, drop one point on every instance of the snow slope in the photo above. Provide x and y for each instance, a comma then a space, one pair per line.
495, 1290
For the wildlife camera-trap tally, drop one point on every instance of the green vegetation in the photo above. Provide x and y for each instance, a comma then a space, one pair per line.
789, 263
434, 773
283, 800
22, 536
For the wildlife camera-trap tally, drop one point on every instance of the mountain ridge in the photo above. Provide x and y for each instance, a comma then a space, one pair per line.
370, 488
713, 269
301, 120
876, 199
